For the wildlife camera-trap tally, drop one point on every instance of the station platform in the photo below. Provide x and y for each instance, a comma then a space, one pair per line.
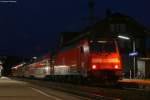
136, 81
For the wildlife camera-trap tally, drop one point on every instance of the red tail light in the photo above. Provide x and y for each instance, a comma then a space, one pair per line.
93, 66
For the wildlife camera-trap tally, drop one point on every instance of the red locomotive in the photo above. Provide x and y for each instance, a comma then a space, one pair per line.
92, 59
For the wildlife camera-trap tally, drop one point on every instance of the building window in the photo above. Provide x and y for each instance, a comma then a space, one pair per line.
112, 27
120, 28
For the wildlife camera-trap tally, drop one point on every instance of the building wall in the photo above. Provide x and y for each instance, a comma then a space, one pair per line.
147, 69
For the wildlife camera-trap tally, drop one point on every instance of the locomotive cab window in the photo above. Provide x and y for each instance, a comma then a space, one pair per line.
102, 46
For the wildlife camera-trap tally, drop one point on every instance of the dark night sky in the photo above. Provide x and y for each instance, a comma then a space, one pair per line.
31, 27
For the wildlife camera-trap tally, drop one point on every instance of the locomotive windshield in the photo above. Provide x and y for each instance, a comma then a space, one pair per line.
102, 46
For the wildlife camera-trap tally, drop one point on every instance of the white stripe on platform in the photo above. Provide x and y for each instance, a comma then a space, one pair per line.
45, 94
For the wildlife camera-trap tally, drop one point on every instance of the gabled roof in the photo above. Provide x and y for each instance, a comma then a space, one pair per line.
102, 28
134, 28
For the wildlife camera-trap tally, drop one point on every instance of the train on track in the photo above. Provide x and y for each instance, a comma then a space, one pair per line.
87, 59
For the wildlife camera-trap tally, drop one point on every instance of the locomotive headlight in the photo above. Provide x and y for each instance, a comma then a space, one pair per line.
116, 66
47, 68
93, 66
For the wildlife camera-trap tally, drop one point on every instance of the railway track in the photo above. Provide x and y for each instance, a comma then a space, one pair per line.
118, 92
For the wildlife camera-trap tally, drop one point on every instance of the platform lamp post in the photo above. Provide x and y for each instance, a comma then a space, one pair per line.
134, 53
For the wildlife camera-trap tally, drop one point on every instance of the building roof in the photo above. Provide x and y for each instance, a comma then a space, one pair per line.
133, 28
103, 28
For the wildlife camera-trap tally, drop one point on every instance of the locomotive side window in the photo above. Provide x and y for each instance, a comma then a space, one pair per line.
102, 46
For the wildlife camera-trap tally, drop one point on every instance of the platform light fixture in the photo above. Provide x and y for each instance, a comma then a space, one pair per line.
123, 37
